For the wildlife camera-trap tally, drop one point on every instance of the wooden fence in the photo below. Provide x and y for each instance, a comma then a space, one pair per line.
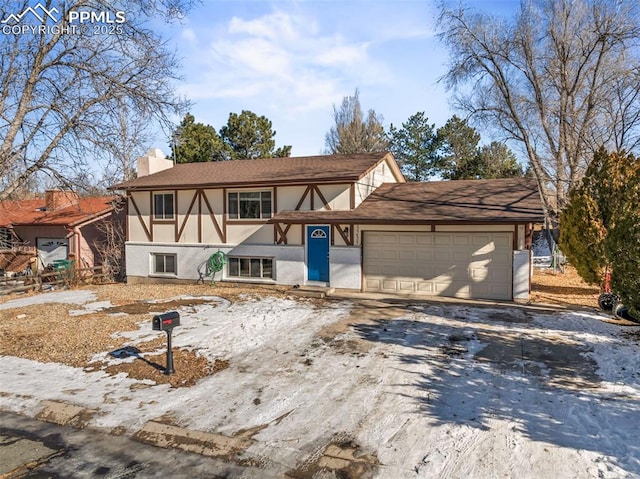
62, 278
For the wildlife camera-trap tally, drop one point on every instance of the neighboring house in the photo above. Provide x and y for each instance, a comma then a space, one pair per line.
59, 226
346, 221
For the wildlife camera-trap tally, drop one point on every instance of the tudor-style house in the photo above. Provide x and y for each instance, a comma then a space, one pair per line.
345, 221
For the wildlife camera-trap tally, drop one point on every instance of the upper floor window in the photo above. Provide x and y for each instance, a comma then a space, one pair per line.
163, 206
250, 205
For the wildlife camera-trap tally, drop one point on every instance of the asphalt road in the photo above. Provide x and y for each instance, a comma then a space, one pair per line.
33, 449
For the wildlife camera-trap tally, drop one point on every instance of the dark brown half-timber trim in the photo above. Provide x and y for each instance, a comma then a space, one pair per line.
175, 214
126, 219
324, 200
199, 194
274, 207
281, 236
283, 233
377, 221
248, 222
144, 226
433, 228
221, 232
186, 217
225, 213
352, 196
515, 237
347, 238
304, 195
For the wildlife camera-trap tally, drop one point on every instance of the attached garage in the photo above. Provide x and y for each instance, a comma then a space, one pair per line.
457, 264
463, 239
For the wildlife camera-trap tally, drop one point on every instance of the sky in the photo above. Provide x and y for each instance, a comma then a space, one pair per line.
292, 61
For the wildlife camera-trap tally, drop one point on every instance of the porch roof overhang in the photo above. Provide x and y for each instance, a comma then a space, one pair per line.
352, 217
504, 201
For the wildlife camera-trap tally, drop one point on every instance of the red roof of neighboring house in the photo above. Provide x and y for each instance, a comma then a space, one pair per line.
33, 212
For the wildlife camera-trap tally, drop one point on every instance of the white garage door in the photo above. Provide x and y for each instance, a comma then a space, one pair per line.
461, 265
52, 249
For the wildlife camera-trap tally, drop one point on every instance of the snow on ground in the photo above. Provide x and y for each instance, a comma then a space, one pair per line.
437, 391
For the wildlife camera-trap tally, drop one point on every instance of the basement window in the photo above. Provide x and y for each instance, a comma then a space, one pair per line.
164, 263
250, 267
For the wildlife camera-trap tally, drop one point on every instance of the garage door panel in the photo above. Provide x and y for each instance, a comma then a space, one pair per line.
390, 254
425, 287
407, 255
461, 240
425, 255
425, 240
465, 265
443, 239
406, 286
460, 257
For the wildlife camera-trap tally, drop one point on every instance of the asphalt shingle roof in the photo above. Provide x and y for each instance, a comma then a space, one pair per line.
473, 201
292, 170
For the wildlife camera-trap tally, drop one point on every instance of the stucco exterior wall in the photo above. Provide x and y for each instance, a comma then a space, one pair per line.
380, 174
249, 234
191, 260
521, 274
345, 267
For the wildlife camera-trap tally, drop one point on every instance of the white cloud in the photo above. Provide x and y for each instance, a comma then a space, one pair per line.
274, 26
343, 55
285, 58
189, 35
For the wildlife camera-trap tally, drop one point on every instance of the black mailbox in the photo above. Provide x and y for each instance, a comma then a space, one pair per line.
166, 321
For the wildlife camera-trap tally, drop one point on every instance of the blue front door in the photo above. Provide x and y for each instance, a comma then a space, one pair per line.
318, 253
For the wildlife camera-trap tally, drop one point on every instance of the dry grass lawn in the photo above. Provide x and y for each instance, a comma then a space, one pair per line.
563, 289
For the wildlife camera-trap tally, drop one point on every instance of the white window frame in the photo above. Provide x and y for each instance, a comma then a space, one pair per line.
234, 213
251, 260
164, 273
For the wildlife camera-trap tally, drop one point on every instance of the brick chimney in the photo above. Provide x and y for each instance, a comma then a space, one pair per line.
58, 199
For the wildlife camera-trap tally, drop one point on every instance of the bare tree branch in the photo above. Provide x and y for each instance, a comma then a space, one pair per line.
64, 95
560, 80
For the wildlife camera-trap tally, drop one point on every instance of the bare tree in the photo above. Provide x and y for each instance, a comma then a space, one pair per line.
64, 85
561, 80
111, 248
353, 133
123, 145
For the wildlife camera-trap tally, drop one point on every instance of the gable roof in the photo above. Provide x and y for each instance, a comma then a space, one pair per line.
267, 171
33, 212
511, 200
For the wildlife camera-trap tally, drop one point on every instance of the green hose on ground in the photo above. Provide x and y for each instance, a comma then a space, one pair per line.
216, 263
